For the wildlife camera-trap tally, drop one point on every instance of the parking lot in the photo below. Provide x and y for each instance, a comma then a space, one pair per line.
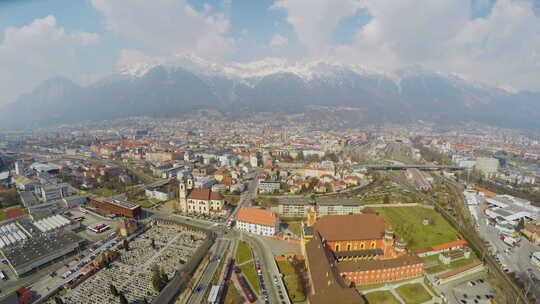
514, 259
91, 220
131, 272
475, 291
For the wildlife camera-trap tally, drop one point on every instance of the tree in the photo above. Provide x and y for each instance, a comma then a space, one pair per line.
126, 244
114, 291
386, 199
123, 299
58, 300
153, 244
159, 278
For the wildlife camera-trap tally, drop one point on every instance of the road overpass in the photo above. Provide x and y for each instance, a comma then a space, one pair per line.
419, 167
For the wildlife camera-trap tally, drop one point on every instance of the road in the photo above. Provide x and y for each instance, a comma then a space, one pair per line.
270, 269
219, 248
259, 248
516, 258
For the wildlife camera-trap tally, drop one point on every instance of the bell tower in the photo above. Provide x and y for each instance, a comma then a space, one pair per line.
190, 182
182, 197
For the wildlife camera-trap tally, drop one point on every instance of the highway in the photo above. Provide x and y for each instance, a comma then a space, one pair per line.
218, 250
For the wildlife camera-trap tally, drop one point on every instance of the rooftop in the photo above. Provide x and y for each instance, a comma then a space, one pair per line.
121, 203
327, 284
204, 194
257, 216
351, 227
39, 246
401, 261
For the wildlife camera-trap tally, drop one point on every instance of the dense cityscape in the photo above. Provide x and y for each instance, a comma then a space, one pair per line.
269, 152
203, 210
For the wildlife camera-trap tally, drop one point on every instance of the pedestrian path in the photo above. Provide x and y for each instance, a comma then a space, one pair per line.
392, 288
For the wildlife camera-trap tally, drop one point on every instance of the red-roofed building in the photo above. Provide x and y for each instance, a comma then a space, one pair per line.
199, 201
14, 213
461, 243
258, 221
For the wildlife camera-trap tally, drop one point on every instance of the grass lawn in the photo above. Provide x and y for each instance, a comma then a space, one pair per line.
294, 288
292, 281
377, 285
232, 296
103, 192
243, 253
413, 293
381, 297
435, 233
295, 227
147, 203
452, 265
251, 275
286, 268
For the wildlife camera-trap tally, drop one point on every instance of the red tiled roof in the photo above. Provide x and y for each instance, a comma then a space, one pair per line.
351, 227
257, 216
443, 246
14, 213
204, 194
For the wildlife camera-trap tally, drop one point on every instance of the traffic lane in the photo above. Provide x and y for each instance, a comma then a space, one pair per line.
200, 290
518, 260
261, 254
276, 275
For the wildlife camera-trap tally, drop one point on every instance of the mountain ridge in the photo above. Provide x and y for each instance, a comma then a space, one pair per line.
171, 90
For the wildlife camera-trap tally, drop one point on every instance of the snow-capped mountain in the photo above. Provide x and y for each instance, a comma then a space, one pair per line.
176, 86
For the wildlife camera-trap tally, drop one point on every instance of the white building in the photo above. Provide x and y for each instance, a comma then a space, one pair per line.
258, 221
487, 165
268, 187
157, 193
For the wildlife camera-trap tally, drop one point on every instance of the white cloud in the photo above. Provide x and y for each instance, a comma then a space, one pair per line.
36, 52
314, 21
278, 41
168, 26
502, 48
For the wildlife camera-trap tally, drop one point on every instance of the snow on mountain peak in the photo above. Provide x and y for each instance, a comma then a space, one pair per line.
305, 70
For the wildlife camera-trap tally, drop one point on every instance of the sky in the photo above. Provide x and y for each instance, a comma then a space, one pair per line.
494, 42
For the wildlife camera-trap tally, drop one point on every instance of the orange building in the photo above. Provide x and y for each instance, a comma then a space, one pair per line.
357, 250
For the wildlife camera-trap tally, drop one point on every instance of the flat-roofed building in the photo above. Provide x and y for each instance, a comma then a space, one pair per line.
117, 207
299, 207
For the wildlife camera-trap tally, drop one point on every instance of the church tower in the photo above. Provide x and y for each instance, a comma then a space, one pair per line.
189, 182
182, 197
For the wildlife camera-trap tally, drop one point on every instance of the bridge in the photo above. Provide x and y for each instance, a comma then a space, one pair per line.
419, 167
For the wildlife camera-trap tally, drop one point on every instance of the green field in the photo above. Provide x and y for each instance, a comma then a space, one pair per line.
294, 288
286, 268
442, 267
250, 273
243, 253
381, 297
410, 219
296, 228
292, 281
104, 192
232, 296
413, 293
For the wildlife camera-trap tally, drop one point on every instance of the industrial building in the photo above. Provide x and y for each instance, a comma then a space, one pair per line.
27, 246
116, 207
